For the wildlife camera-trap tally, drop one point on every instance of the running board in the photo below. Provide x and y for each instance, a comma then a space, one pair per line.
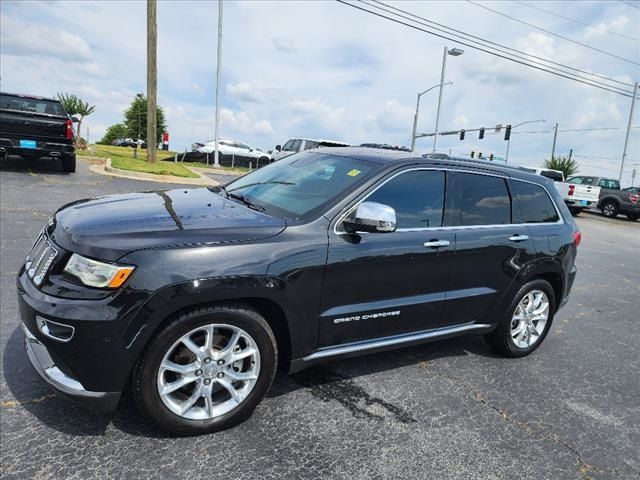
384, 344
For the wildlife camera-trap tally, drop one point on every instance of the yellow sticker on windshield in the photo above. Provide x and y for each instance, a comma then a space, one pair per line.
354, 173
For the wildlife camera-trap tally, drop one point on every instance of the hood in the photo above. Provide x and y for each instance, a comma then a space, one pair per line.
109, 227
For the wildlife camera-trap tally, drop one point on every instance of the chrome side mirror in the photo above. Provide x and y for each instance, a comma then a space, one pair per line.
371, 217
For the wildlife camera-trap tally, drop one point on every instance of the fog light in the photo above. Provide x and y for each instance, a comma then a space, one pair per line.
54, 330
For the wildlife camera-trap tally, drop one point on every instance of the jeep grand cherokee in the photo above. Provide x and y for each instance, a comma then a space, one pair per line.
193, 297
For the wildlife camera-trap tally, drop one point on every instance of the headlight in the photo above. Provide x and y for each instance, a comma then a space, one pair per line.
97, 274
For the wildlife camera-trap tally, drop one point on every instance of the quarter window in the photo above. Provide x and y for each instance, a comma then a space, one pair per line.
534, 203
484, 200
416, 196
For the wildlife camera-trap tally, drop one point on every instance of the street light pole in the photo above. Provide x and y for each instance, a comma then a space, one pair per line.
506, 157
626, 138
216, 161
455, 52
415, 117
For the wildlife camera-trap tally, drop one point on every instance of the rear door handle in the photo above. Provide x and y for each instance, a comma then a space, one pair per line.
518, 238
436, 243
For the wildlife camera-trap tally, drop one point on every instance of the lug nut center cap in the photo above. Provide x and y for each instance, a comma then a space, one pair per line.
212, 370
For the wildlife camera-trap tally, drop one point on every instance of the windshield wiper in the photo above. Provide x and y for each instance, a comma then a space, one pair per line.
278, 182
245, 200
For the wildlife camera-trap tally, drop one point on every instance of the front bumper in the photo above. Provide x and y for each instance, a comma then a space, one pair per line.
62, 382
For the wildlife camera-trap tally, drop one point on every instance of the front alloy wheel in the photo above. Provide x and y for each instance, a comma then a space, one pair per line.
208, 372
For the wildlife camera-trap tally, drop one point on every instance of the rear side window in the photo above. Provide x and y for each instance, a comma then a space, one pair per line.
309, 144
416, 196
534, 203
34, 105
555, 176
484, 200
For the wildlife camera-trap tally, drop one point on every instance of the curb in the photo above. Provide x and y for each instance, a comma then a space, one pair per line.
107, 169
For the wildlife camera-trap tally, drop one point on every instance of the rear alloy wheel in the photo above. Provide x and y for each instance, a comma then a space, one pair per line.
610, 209
527, 321
206, 370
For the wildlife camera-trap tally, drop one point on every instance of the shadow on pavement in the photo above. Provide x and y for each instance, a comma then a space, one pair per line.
28, 165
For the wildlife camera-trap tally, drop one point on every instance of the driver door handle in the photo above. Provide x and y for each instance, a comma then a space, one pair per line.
436, 243
518, 238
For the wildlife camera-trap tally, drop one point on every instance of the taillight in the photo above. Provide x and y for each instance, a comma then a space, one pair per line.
634, 198
69, 130
572, 188
577, 237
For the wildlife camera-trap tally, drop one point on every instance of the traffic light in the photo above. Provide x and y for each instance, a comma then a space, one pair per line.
461, 134
479, 154
481, 136
507, 132
472, 153
491, 157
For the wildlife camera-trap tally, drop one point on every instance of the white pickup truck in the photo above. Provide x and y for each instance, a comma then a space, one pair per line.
576, 196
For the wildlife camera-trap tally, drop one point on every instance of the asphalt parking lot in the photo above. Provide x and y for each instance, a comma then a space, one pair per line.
444, 410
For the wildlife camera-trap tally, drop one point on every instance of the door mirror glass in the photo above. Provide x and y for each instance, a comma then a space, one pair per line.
371, 217
279, 148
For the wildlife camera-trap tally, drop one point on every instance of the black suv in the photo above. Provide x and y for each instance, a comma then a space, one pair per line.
195, 296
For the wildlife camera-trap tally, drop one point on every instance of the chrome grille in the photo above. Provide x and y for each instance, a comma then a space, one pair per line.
40, 259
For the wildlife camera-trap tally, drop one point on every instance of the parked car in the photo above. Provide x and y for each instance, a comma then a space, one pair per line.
575, 195
614, 201
296, 145
129, 142
35, 127
241, 153
197, 296
385, 146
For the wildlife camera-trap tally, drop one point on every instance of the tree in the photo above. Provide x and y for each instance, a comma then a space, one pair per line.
135, 120
114, 131
566, 165
75, 106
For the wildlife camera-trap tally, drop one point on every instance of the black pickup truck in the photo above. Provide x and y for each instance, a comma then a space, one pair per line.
35, 127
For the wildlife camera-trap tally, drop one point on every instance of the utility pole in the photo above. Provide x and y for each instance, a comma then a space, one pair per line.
626, 138
216, 161
152, 79
555, 137
415, 117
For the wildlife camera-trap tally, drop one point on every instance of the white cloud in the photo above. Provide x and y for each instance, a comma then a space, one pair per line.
252, 91
284, 44
24, 40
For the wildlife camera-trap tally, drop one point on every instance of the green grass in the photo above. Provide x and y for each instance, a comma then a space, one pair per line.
122, 158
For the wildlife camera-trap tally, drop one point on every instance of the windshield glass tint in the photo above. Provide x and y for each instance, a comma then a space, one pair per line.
298, 185
36, 105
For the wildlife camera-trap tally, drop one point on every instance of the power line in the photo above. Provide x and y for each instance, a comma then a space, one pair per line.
576, 21
595, 129
553, 33
629, 4
503, 55
599, 157
518, 53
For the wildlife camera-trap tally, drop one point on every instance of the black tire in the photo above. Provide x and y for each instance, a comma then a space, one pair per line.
610, 209
575, 211
69, 163
144, 382
633, 216
500, 339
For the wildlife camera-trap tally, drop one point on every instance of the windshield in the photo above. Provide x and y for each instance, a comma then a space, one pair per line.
299, 185
35, 105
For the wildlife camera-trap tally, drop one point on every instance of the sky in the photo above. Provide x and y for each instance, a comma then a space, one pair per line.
321, 69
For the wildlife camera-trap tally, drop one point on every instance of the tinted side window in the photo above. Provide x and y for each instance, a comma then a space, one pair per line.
534, 203
296, 146
309, 144
287, 146
484, 200
416, 196
608, 183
